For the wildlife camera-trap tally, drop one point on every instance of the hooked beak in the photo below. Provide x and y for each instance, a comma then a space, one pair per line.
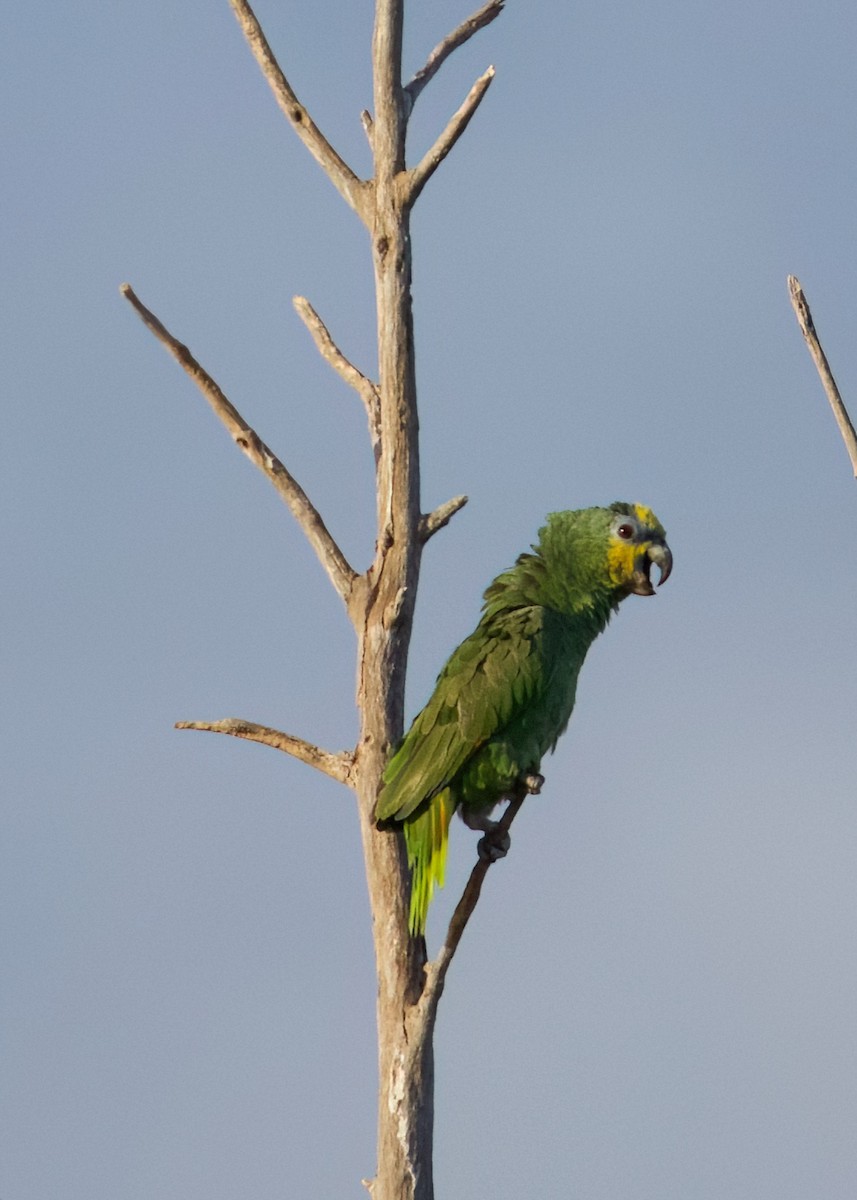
658, 553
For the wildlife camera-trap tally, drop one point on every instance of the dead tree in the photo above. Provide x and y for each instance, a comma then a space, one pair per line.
380, 601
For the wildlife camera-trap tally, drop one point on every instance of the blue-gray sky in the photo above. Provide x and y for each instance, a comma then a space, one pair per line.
655, 999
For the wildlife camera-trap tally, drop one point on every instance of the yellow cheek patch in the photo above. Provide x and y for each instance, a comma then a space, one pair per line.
621, 557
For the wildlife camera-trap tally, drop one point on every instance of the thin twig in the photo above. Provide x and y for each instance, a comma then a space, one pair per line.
341, 574
337, 766
331, 353
441, 516
840, 412
353, 189
478, 20
368, 127
418, 176
436, 970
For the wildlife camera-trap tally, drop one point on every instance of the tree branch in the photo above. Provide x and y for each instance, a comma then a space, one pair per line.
418, 176
465, 31
368, 127
840, 412
337, 766
442, 515
349, 186
436, 970
341, 574
346, 370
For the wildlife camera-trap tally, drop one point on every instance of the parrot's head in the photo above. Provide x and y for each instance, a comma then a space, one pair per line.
636, 539
587, 559
606, 552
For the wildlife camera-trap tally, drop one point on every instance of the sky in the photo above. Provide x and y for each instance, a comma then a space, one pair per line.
655, 998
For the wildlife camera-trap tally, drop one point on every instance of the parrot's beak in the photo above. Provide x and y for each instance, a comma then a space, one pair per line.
658, 553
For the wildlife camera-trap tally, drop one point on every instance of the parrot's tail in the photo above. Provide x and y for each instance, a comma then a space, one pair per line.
427, 837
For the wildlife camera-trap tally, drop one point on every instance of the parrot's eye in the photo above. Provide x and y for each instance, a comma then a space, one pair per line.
625, 531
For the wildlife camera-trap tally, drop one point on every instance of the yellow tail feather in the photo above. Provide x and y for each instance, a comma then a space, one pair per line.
427, 838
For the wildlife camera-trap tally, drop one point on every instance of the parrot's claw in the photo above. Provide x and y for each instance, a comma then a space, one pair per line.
494, 845
533, 783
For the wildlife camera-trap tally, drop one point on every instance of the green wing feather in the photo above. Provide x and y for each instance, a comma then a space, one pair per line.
491, 678
488, 680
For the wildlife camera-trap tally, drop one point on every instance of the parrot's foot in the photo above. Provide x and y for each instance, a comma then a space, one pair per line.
495, 844
533, 783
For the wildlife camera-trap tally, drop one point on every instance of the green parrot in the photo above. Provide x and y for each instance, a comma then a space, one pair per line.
507, 693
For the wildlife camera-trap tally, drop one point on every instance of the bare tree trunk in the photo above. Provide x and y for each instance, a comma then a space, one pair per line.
380, 602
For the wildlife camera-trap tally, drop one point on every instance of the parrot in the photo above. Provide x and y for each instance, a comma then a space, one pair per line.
507, 692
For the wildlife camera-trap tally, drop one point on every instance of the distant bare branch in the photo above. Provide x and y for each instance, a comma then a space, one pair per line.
341, 574
331, 353
418, 176
840, 412
353, 189
441, 516
337, 766
465, 31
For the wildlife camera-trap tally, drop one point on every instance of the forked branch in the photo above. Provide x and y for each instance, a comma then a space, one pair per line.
354, 190
341, 574
337, 766
381, 601
418, 176
840, 412
478, 20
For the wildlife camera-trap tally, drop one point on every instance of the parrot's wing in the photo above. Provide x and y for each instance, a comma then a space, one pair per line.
492, 675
